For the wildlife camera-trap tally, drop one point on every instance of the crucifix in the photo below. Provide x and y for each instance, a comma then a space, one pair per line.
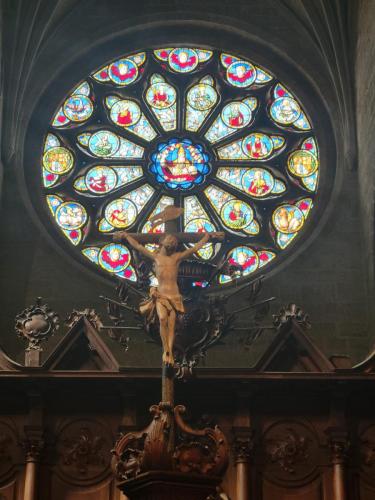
165, 300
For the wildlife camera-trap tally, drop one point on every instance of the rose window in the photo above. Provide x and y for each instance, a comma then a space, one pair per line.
210, 132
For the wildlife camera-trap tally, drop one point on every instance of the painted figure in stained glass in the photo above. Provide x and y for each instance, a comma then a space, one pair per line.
236, 214
114, 257
288, 219
101, 179
123, 72
202, 97
257, 146
180, 164
104, 143
236, 115
241, 74
302, 163
244, 257
78, 108
258, 182
121, 213
71, 215
125, 113
161, 95
58, 160
285, 110
183, 60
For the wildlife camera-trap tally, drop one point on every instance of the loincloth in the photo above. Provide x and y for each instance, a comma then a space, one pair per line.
148, 307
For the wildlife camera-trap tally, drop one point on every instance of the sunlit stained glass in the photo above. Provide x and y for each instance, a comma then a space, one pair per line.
161, 97
127, 114
200, 100
196, 220
102, 179
210, 132
257, 182
256, 146
234, 116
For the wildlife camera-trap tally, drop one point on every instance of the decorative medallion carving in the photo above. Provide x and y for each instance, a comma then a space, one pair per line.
290, 451
83, 451
291, 312
36, 323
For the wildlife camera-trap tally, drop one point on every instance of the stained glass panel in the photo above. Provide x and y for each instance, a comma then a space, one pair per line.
210, 132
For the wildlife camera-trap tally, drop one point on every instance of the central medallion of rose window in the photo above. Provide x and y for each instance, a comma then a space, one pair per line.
180, 164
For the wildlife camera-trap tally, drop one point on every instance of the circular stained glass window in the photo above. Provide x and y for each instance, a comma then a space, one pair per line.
210, 132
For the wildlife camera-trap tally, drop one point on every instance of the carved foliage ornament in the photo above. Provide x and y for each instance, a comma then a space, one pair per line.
83, 451
290, 450
168, 443
289, 313
36, 323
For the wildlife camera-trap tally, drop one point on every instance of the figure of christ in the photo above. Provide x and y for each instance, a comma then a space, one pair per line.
165, 298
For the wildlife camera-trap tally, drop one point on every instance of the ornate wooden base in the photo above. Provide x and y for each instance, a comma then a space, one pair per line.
169, 460
164, 485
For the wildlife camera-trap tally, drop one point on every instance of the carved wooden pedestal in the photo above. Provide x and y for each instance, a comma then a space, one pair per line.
164, 485
169, 460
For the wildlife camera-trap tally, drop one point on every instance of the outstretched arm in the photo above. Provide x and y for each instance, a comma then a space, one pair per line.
123, 235
195, 248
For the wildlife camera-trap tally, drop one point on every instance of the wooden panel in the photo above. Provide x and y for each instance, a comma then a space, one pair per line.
311, 491
367, 492
63, 491
9, 491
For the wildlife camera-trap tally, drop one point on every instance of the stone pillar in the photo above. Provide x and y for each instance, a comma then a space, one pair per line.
242, 449
339, 445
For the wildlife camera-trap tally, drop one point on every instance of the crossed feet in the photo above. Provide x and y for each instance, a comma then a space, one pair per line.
168, 358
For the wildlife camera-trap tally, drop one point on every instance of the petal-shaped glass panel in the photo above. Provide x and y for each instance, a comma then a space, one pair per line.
102, 179
256, 182
107, 144
127, 114
196, 220
235, 214
161, 97
122, 213
200, 100
77, 108
235, 115
285, 109
256, 146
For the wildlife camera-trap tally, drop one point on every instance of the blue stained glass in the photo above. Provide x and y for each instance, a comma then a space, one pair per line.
179, 164
123, 167
114, 257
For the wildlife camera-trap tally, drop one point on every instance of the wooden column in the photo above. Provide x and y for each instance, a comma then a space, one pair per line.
242, 448
339, 445
33, 444
31, 473
242, 445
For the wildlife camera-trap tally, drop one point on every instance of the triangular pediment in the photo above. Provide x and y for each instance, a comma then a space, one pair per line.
82, 349
293, 351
